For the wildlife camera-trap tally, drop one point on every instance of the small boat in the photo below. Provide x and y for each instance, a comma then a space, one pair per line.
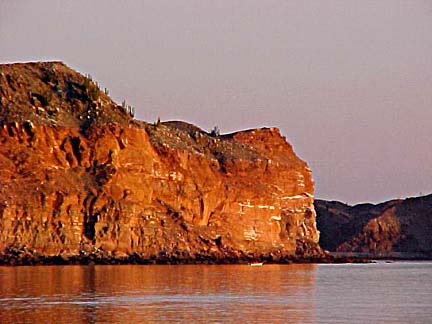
256, 264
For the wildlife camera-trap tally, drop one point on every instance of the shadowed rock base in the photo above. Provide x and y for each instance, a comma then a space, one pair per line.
28, 257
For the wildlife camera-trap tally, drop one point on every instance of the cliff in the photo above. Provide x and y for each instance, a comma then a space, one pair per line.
81, 181
397, 228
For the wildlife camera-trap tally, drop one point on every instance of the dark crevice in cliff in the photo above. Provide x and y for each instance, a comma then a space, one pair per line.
75, 141
90, 218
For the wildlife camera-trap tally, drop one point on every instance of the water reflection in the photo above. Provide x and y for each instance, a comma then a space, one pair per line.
193, 293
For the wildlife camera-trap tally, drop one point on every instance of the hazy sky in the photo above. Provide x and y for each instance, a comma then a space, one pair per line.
349, 83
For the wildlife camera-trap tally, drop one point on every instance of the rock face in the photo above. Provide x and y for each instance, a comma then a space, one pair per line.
393, 228
79, 177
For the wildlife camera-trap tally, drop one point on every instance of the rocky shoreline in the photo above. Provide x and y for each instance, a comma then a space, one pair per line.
27, 257
15, 256
98, 259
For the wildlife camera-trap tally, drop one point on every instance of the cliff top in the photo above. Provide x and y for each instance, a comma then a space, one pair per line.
50, 93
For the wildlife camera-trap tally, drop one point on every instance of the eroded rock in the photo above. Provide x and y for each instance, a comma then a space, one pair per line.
112, 189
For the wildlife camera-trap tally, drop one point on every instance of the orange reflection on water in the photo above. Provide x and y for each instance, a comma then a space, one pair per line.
189, 293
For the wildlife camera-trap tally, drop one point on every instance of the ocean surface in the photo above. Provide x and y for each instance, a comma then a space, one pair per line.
398, 292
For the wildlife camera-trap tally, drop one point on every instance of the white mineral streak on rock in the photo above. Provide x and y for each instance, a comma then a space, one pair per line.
278, 188
265, 207
175, 176
250, 234
292, 197
247, 204
302, 196
304, 228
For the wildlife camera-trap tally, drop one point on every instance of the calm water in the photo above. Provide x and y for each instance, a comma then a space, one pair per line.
368, 293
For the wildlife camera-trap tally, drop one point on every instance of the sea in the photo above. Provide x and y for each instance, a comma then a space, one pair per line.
381, 292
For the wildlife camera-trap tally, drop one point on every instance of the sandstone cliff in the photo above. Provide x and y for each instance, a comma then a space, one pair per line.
399, 228
81, 179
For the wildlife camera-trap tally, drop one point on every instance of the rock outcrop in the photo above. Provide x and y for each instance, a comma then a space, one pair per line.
397, 228
80, 179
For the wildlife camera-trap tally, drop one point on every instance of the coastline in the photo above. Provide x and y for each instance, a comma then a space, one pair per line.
34, 259
391, 256
21, 258
99, 259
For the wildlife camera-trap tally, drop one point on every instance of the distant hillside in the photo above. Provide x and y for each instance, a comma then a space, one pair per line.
395, 226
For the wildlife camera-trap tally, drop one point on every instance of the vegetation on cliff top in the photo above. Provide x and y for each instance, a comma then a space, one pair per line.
50, 93
187, 137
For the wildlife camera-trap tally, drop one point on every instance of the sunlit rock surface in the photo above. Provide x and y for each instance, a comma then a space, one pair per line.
80, 178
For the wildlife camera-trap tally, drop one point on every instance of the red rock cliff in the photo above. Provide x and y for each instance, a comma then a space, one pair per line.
79, 176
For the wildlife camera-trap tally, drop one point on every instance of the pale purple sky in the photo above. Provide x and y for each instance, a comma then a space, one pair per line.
349, 83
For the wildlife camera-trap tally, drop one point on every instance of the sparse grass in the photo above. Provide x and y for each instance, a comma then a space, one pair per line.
215, 132
52, 93
187, 137
91, 88
157, 123
128, 109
